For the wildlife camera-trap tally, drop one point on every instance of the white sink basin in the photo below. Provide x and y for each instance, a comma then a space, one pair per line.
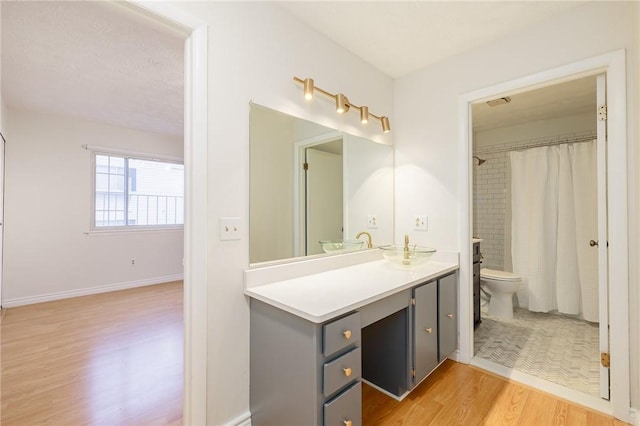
413, 256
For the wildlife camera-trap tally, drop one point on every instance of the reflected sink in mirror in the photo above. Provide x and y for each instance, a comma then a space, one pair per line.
341, 246
414, 256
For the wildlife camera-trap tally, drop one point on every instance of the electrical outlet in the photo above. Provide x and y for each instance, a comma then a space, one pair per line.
372, 221
133, 261
229, 228
420, 223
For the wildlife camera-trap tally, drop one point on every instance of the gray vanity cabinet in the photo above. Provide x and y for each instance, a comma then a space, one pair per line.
307, 373
303, 373
425, 331
447, 316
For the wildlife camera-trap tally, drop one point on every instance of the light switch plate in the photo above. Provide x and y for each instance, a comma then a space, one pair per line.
229, 228
420, 223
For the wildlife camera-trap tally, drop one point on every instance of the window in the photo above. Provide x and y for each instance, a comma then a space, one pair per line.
137, 192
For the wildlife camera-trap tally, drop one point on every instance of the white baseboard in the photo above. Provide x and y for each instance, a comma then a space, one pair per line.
242, 420
633, 417
20, 301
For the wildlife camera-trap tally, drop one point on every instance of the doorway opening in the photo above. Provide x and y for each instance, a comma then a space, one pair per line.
612, 65
534, 211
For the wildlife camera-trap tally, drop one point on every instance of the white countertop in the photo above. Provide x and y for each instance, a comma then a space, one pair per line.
321, 296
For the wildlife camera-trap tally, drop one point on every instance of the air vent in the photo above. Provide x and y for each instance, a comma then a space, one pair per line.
499, 101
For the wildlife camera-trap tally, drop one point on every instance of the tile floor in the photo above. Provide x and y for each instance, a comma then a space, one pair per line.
553, 347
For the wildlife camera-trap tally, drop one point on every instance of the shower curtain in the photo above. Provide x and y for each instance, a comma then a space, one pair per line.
554, 215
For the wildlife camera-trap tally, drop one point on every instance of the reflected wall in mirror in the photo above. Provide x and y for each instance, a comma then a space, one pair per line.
309, 183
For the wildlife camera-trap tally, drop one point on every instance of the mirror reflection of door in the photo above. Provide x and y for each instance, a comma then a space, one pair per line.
323, 195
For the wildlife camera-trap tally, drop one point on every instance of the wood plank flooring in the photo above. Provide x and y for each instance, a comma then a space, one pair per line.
116, 359
458, 394
107, 359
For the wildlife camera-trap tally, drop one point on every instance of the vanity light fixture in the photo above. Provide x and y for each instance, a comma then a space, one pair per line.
308, 88
364, 114
343, 104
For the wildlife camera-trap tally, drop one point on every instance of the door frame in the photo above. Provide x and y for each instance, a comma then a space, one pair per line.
614, 65
299, 198
195, 225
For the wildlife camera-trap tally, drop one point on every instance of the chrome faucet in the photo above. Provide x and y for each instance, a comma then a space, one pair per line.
368, 235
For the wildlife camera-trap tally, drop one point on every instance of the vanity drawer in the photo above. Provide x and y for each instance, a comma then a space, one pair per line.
345, 409
341, 371
341, 333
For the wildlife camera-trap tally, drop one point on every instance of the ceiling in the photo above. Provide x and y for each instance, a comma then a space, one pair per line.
101, 61
93, 60
400, 37
560, 100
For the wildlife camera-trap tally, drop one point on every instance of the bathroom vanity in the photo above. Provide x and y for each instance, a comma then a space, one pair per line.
315, 338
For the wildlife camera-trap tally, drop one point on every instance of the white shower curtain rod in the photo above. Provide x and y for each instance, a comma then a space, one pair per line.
537, 143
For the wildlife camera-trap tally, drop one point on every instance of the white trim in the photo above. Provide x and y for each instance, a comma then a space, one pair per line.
20, 301
133, 154
386, 392
136, 230
571, 395
196, 207
196, 318
242, 420
633, 417
613, 64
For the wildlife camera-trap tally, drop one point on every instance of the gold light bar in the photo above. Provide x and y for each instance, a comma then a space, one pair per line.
342, 103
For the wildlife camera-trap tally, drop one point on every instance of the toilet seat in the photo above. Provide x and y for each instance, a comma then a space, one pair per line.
495, 275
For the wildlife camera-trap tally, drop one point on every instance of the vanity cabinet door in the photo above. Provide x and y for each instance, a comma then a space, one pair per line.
425, 331
447, 316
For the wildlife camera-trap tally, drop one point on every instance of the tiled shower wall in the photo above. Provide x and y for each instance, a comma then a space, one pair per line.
489, 207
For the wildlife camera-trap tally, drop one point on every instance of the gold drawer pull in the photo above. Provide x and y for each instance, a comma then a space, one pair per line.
348, 423
347, 371
429, 330
347, 334
450, 316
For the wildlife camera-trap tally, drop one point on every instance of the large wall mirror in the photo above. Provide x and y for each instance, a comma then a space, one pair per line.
309, 183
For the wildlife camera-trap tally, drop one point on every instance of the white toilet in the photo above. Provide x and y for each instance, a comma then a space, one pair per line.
500, 285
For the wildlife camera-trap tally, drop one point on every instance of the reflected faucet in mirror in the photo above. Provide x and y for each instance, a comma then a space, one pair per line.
368, 235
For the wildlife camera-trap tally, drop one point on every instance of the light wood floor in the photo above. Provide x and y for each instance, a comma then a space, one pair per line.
116, 359
107, 359
458, 394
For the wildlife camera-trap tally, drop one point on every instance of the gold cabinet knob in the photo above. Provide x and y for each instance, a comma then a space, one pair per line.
347, 371
450, 316
348, 423
429, 330
347, 334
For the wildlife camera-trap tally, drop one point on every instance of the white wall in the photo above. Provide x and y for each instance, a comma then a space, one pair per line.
254, 51
48, 206
426, 110
369, 189
535, 129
